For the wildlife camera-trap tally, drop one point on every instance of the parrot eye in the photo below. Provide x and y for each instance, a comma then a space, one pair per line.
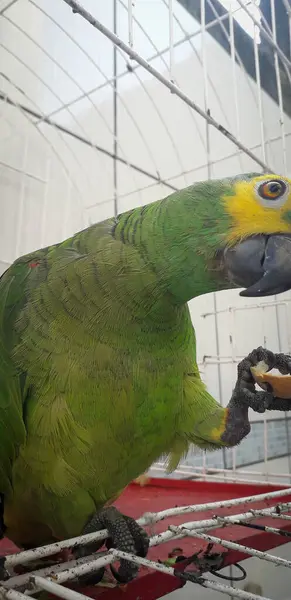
273, 191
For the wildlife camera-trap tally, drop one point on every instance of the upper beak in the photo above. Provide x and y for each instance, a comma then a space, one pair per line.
261, 264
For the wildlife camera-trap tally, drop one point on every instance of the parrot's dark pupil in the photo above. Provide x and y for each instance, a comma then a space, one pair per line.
275, 187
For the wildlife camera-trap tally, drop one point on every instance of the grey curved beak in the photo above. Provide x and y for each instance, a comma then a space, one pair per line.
261, 264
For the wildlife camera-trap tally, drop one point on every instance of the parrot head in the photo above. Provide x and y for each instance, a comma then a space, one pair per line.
217, 234
257, 254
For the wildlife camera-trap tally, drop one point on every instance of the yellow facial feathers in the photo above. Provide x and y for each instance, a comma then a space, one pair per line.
254, 208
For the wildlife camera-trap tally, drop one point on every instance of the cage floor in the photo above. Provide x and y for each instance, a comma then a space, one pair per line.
160, 494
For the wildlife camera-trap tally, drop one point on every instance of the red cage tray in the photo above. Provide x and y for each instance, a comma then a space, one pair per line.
161, 494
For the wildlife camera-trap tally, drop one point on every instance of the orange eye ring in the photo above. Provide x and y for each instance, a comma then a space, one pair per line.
272, 190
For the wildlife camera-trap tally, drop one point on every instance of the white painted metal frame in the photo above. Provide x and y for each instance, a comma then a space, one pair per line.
20, 587
80, 10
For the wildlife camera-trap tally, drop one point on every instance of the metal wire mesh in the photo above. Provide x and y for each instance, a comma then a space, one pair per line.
51, 578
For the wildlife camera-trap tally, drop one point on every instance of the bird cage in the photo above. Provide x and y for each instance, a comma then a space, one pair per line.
106, 106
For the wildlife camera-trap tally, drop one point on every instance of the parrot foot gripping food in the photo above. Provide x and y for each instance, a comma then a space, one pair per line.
277, 390
245, 395
124, 533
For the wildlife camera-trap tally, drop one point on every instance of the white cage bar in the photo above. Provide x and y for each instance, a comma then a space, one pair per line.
52, 578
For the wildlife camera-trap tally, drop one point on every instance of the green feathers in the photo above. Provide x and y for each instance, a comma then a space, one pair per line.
179, 237
11, 422
98, 374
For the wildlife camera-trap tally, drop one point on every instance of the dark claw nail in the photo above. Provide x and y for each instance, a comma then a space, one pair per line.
125, 575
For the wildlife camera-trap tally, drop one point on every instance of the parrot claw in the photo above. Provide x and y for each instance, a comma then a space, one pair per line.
124, 534
258, 401
282, 362
245, 391
4, 575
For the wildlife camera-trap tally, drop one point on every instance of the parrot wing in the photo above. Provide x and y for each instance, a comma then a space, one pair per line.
12, 429
16, 285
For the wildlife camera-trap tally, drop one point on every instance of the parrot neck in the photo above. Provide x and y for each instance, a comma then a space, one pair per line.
178, 243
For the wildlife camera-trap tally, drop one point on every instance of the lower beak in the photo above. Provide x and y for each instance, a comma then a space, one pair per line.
261, 264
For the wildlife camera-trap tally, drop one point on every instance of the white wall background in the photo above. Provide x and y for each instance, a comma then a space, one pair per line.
56, 65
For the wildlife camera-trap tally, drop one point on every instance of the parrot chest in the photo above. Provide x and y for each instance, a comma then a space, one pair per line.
96, 419
111, 438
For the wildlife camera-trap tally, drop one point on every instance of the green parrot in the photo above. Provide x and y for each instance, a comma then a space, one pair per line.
98, 373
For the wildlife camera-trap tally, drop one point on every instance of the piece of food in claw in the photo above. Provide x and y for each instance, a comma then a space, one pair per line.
280, 384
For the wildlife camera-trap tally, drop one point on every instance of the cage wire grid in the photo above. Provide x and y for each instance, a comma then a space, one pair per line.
232, 474
129, 50
118, 153
261, 155
51, 579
